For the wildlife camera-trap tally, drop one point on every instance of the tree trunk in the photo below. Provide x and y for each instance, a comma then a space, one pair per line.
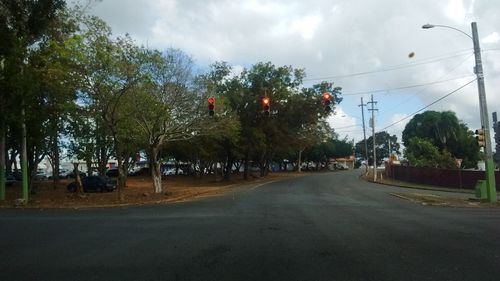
2, 161
155, 170
79, 187
245, 167
12, 161
55, 156
121, 177
299, 163
88, 162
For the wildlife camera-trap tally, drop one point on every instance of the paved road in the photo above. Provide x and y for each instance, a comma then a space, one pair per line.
320, 227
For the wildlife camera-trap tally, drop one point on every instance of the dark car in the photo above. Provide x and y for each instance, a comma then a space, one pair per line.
94, 183
113, 173
10, 180
72, 175
18, 176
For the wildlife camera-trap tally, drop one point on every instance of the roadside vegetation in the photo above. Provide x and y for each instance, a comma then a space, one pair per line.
73, 90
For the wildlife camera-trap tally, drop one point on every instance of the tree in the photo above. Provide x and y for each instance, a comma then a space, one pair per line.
23, 29
383, 142
446, 132
422, 153
108, 71
331, 148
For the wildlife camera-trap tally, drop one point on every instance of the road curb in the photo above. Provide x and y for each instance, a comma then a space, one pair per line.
428, 188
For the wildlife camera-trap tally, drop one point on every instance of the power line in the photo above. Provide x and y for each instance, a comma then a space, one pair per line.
394, 108
391, 68
406, 87
345, 127
429, 105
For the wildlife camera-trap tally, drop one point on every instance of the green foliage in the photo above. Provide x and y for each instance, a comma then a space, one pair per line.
108, 97
422, 153
383, 139
331, 148
446, 132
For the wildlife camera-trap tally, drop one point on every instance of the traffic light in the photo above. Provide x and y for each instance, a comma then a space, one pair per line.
481, 140
266, 103
327, 99
211, 106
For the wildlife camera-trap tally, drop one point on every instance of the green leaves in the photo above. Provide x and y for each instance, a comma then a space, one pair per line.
445, 132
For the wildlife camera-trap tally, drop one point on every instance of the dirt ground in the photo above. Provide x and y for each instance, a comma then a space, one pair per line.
139, 191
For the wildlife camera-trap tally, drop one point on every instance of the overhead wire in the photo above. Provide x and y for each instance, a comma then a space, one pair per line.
405, 87
394, 67
394, 108
431, 104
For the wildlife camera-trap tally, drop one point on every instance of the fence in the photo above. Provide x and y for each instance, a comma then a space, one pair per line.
439, 177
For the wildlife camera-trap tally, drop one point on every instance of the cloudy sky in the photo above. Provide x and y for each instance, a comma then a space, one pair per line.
362, 46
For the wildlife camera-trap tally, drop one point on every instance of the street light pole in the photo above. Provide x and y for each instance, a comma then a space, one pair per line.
483, 109
490, 167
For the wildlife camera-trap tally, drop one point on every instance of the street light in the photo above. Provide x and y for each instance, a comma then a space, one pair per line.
483, 108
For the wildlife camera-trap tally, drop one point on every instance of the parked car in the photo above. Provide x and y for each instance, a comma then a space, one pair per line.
18, 176
10, 180
139, 171
339, 166
171, 171
94, 183
40, 175
113, 173
63, 173
71, 175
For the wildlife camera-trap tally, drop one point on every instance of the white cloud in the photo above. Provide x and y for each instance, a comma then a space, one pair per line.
306, 26
346, 125
332, 38
456, 10
493, 38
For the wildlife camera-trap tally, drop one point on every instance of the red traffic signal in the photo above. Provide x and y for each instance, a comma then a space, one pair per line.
327, 99
211, 106
266, 102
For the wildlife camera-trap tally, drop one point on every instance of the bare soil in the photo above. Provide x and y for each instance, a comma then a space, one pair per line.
139, 191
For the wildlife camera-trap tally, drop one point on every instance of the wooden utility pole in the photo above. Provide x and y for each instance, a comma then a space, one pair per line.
372, 124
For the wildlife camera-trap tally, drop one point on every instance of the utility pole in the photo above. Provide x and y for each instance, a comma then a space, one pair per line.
362, 105
491, 192
483, 109
373, 109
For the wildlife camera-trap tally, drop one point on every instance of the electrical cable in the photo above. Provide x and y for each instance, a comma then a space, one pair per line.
394, 108
406, 87
429, 105
391, 68
345, 127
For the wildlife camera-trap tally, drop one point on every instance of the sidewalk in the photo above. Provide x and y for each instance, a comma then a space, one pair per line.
434, 195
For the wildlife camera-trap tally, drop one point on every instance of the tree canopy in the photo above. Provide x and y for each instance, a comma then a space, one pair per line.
92, 96
444, 131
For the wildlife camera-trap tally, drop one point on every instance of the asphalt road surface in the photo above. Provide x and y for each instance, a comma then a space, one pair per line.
329, 226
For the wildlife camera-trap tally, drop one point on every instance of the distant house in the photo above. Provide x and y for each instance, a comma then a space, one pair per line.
346, 162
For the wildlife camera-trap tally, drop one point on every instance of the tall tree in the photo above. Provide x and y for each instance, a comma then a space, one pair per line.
446, 132
23, 29
383, 142
109, 71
